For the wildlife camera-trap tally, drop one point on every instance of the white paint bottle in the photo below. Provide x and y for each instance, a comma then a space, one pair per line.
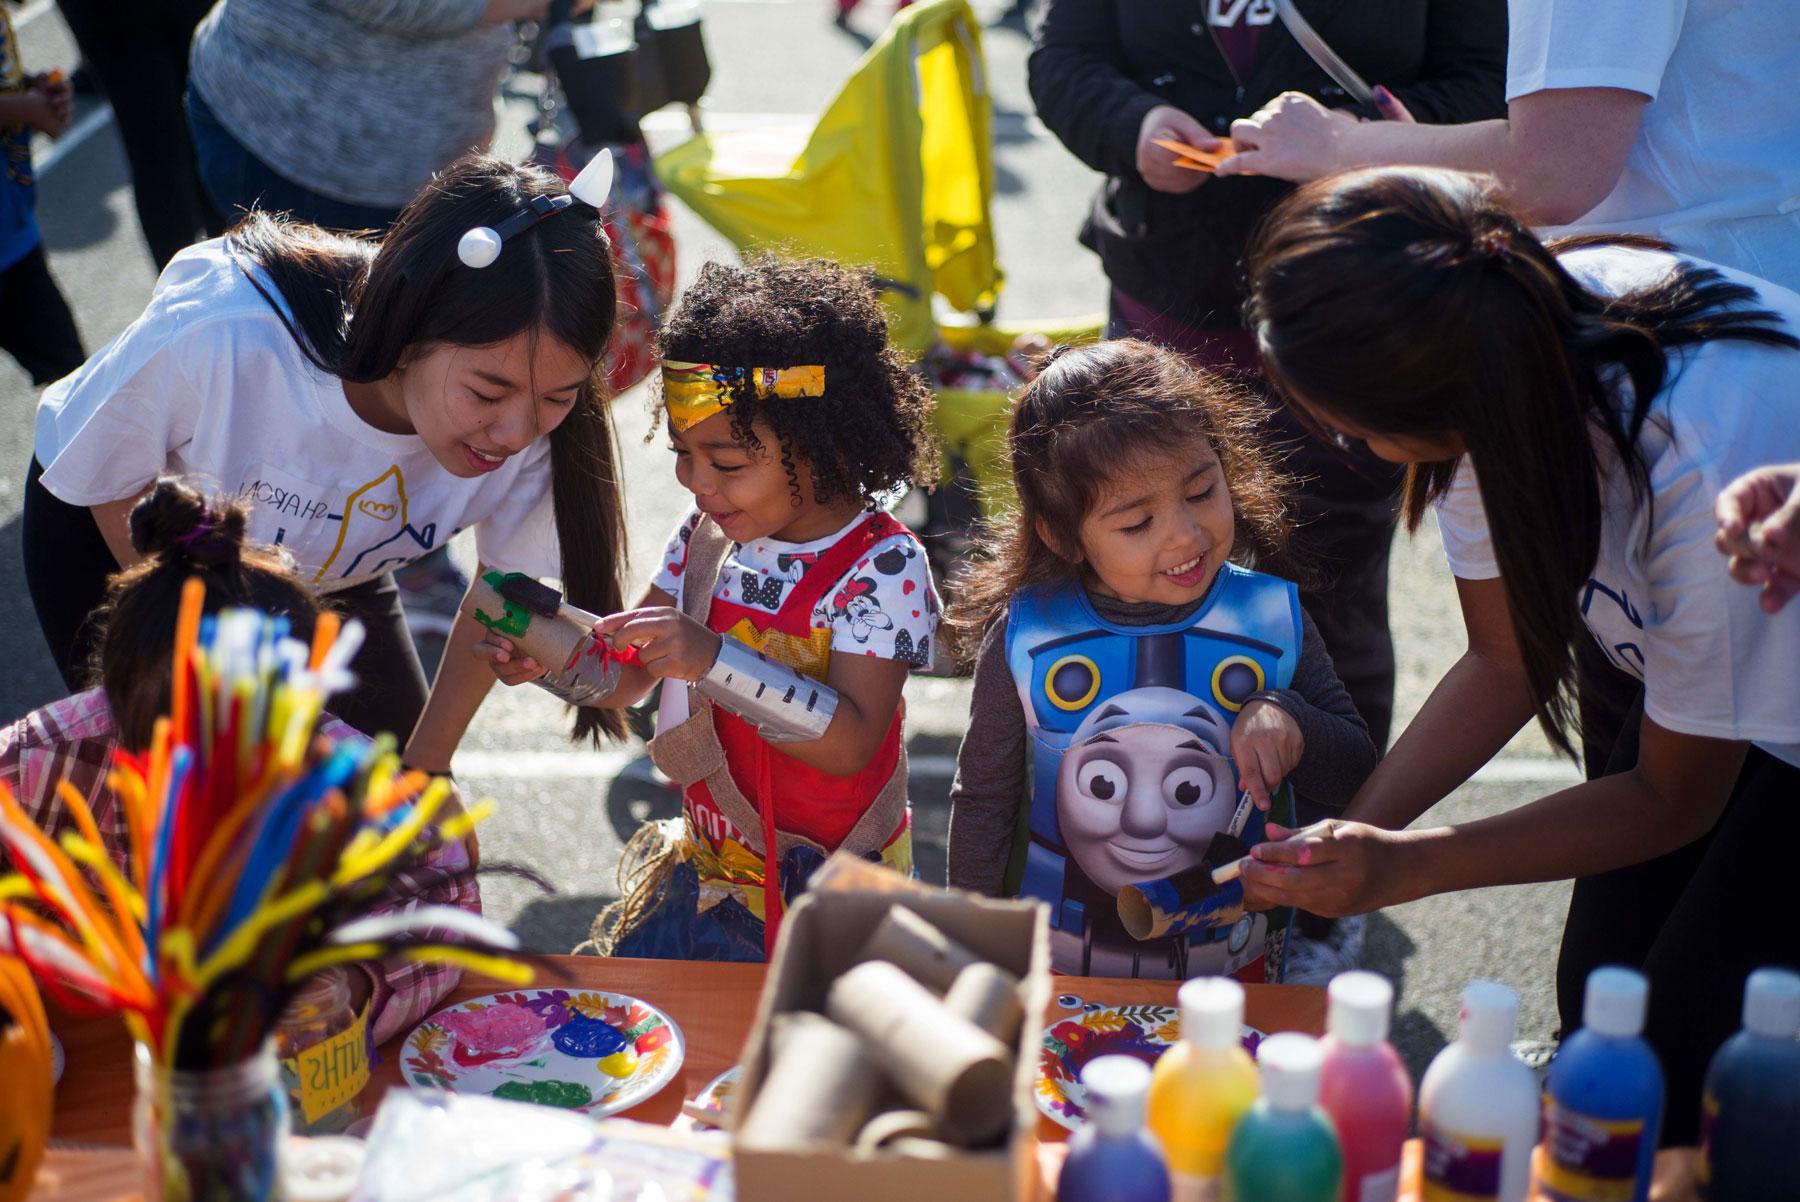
1478, 1107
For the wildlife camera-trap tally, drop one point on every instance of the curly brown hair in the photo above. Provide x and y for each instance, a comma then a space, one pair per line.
1091, 414
774, 312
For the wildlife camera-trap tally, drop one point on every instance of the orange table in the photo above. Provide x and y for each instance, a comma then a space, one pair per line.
711, 1003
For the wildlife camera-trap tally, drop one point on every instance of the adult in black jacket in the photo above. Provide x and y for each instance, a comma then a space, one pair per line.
1108, 76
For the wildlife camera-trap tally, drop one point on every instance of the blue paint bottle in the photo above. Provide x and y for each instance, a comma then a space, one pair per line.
1603, 1100
1114, 1158
1751, 1109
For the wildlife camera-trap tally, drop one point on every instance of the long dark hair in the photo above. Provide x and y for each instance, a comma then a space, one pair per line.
358, 307
182, 535
1092, 413
1417, 303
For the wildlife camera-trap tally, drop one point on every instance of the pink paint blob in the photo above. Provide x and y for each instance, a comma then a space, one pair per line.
496, 1033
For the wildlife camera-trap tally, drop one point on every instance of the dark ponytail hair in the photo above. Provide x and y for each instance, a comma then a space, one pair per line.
181, 534
1091, 414
359, 307
1417, 303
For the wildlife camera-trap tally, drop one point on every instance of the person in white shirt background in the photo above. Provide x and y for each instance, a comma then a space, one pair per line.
365, 403
1674, 118
1573, 416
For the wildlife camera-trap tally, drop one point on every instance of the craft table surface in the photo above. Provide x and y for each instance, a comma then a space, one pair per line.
713, 1004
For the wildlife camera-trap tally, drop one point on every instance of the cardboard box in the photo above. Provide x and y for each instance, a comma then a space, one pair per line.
822, 936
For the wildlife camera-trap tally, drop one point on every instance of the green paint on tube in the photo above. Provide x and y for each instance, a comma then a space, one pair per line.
516, 620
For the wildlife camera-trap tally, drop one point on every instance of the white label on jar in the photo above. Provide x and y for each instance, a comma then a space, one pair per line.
1380, 1187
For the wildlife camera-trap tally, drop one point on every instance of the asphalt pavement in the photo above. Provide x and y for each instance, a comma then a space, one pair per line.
567, 812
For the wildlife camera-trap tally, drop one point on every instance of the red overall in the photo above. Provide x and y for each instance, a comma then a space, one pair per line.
816, 805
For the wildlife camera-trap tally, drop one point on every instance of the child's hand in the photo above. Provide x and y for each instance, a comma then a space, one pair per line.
1267, 744
59, 93
35, 109
509, 665
670, 644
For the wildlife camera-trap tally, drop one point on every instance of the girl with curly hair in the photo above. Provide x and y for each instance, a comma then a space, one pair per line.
1140, 698
787, 611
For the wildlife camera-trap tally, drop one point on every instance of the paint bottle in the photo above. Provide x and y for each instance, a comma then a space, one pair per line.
1750, 1111
1285, 1150
1478, 1107
1603, 1099
1364, 1087
1113, 1158
1202, 1086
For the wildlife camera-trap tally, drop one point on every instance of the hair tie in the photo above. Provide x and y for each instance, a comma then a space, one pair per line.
208, 524
479, 247
1495, 244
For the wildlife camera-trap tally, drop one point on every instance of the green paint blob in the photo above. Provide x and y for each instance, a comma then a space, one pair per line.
567, 1094
516, 620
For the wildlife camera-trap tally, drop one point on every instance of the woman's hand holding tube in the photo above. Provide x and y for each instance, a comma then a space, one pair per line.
1332, 868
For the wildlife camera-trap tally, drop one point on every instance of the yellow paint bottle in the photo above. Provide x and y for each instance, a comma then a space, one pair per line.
1202, 1086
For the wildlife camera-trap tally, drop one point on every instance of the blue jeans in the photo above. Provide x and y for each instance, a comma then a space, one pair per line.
236, 181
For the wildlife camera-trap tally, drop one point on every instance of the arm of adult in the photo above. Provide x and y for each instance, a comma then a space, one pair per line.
1463, 74
114, 520
1481, 702
1557, 153
462, 682
1084, 95
1672, 797
1759, 529
436, 18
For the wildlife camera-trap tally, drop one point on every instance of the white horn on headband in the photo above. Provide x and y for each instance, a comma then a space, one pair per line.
478, 247
593, 183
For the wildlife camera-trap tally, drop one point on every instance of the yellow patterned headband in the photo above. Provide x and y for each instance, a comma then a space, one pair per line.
693, 392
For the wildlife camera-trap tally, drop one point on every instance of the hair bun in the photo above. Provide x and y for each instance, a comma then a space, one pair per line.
175, 523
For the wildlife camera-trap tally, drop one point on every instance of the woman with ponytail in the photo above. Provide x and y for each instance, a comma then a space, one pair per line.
364, 402
176, 533
1571, 412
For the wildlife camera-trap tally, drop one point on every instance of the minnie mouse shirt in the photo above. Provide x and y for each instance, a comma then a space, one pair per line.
885, 606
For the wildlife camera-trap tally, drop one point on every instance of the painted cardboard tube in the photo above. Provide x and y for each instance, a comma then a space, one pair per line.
821, 1085
891, 1125
578, 668
926, 954
988, 996
943, 1063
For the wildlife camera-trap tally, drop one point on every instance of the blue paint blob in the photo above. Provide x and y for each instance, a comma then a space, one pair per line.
588, 1038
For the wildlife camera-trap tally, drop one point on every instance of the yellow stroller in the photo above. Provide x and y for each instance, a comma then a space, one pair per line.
895, 176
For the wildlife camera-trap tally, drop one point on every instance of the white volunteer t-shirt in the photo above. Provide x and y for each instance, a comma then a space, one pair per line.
1662, 607
1715, 169
885, 606
209, 385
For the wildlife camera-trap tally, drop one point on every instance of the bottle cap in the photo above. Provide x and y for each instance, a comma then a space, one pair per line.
1615, 1002
1360, 1005
1212, 1011
1116, 1086
1490, 1015
1290, 1070
1772, 1003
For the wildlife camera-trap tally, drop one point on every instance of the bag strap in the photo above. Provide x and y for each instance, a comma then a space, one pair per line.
837, 560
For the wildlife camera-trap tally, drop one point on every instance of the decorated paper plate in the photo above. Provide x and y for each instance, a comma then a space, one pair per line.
1092, 1030
710, 1107
598, 1053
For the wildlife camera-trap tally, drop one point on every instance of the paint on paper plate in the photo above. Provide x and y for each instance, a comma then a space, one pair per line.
598, 1053
1093, 1030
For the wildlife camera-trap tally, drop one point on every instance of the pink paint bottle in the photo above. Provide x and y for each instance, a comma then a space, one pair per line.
1364, 1087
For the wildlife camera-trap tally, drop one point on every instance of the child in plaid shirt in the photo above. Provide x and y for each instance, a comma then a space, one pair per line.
176, 534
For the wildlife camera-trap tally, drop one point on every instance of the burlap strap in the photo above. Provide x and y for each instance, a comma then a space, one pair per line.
690, 753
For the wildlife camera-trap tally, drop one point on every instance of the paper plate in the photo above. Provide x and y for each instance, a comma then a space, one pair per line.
709, 1108
1093, 1030
597, 1053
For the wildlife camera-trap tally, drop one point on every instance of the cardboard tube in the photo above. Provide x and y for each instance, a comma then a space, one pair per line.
926, 954
942, 1062
891, 1125
576, 664
821, 1084
988, 996
1189, 900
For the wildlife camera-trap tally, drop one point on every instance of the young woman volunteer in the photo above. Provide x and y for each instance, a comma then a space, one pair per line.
1572, 414
366, 403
